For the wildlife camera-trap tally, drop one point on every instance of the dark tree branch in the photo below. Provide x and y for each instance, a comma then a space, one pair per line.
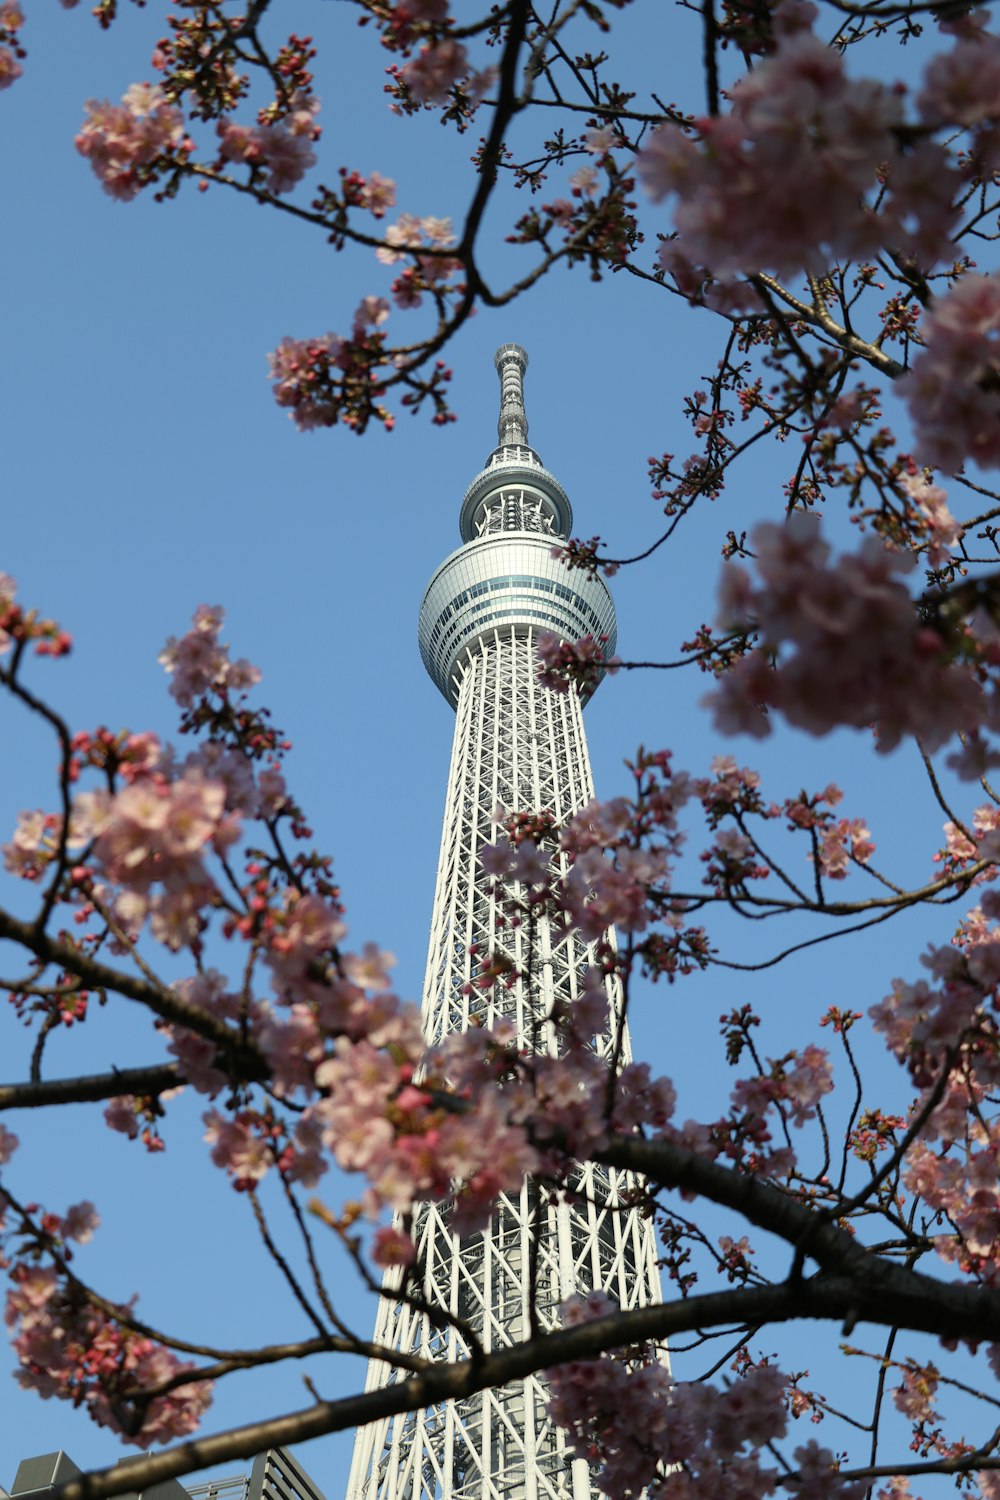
89, 1088
833, 1299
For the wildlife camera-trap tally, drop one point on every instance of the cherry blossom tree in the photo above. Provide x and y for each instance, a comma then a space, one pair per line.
828, 196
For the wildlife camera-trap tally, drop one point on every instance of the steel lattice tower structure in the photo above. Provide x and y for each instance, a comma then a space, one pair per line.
521, 746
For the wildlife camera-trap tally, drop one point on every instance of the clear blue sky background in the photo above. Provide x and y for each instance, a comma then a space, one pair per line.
146, 470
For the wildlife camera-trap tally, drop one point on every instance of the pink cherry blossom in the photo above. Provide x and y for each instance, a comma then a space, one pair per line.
295, 368
639, 1426
393, 1248
378, 194
776, 183
851, 649
962, 87
561, 662
370, 312
79, 1222
817, 1476
10, 68
198, 663
369, 969
839, 843
951, 386
121, 1115
239, 1146
8, 1144
281, 149
125, 142
286, 154
32, 845
156, 832
70, 1349
8, 593
943, 531
406, 233
435, 70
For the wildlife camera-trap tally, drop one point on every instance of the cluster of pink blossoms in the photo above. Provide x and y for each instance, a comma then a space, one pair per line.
329, 378
611, 875
145, 844
199, 663
584, 661
33, 844
18, 625
441, 62
449, 1136
952, 387
68, 1348
8, 593
436, 69
10, 68
11, 21
463, 1122
978, 840
281, 148
405, 239
298, 368
125, 143
779, 182
858, 656
148, 840
612, 865
941, 529
949, 1026
410, 233
155, 834
840, 843
681, 1441
373, 193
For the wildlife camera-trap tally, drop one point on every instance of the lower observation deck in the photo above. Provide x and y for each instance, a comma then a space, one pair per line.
503, 581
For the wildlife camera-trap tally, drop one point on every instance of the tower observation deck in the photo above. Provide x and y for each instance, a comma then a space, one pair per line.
521, 746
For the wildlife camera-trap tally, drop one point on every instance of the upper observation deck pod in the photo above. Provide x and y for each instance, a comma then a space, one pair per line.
503, 583
514, 492
504, 578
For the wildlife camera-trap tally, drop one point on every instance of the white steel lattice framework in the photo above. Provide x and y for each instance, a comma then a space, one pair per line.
518, 745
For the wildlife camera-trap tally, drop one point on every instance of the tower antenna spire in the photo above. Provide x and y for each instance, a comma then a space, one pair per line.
512, 429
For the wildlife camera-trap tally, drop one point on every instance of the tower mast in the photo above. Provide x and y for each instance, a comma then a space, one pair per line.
523, 747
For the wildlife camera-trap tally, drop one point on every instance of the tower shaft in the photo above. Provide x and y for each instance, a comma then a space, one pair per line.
521, 747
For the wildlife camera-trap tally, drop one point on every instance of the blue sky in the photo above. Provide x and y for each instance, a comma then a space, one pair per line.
148, 470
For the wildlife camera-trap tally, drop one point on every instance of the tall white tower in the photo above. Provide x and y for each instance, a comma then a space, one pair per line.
523, 747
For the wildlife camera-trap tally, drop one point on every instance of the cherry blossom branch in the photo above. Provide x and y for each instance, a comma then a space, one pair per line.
37, 706
271, 1354
939, 796
824, 937
89, 1088
314, 1269
121, 937
281, 1262
882, 12
507, 106
818, 317
980, 1458
829, 1298
162, 1001
843, 1210
709, 56
947, 886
